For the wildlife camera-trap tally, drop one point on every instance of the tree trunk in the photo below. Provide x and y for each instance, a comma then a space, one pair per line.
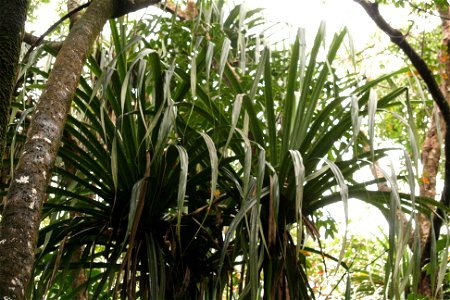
78, 274
431, 150
12, 22
22, 209
431, 154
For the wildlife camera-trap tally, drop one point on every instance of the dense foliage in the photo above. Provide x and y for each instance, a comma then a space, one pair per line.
197, 159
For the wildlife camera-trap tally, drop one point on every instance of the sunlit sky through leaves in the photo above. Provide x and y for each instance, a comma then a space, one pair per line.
309, 13
367, 39
294, 13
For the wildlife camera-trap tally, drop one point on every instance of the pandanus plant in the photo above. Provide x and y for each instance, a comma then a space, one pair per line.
194, 157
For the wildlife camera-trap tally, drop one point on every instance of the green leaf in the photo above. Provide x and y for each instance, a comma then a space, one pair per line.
184, 161
299, 171
214, 161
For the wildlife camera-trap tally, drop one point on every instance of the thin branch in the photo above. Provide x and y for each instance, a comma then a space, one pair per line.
399, 39
123, 7
31, 39
51, 28
426, 11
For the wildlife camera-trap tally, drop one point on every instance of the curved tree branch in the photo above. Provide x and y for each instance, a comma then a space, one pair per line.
22, 208
400, 40
53, 27
31, 39
424, 71
123, 7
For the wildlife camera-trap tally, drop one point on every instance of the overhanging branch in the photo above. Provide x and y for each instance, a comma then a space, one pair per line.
123, 7
400, 40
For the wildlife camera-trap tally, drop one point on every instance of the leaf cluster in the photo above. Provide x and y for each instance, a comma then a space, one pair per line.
196, 155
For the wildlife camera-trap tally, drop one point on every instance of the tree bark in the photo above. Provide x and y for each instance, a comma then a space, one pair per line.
22, 209
71, 5
78, 274
12, 22
431, 150
431, 154
32, 40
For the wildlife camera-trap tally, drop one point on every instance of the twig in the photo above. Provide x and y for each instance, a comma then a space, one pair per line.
426, 11
51, 28
31, 39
